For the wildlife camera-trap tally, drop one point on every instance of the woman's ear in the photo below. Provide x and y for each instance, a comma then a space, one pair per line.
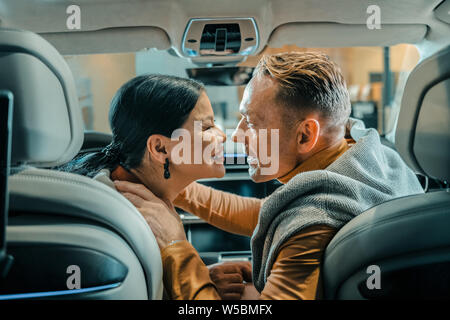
308, 132
157, 148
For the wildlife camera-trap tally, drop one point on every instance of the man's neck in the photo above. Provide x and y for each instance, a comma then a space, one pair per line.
318, 160
320, 147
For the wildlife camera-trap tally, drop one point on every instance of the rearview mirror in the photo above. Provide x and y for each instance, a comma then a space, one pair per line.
221, 76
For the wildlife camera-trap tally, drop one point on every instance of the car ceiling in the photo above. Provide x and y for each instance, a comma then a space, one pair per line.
133, 25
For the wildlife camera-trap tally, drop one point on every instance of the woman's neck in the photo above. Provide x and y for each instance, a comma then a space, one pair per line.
165, 189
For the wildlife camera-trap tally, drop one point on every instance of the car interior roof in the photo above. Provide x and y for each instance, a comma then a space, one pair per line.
110, 26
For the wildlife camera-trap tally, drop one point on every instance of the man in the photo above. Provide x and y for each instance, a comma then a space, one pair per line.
332, 169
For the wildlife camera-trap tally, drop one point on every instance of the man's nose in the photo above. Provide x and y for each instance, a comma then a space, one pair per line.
233, 136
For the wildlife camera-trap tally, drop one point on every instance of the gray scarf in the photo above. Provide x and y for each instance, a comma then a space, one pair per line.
366, 175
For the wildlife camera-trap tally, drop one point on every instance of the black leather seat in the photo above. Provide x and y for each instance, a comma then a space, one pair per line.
95, 141
408, 238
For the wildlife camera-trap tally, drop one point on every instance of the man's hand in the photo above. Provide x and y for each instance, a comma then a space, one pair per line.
162, 218
229, 278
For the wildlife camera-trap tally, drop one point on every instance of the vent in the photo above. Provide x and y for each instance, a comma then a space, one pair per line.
220, 37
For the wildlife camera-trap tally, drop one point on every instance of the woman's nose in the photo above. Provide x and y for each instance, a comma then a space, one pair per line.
221, 136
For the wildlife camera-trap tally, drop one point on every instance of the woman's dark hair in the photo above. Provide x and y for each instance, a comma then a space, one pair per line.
145, 105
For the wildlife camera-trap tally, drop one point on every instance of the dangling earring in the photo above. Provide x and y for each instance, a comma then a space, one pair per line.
166, 169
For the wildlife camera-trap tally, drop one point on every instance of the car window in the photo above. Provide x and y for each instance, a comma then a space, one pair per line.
375, 97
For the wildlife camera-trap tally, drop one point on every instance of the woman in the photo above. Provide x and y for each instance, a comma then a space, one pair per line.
144, 114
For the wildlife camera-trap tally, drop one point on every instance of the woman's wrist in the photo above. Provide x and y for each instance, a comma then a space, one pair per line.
174, 241
165, 244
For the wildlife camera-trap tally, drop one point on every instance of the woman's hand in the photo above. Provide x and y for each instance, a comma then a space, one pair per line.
162, 218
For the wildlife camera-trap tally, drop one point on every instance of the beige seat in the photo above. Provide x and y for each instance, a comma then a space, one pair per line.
60, 220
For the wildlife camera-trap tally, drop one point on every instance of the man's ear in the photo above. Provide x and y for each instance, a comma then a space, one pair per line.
157, 147
308, 132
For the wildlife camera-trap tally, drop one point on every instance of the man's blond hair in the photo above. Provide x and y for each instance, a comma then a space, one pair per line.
309, 81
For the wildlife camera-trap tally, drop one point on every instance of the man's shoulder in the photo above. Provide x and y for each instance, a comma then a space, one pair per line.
314, 237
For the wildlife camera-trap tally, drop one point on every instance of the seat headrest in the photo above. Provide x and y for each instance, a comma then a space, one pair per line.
47, 122
423, 129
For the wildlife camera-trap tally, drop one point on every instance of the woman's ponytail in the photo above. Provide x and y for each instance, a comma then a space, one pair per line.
91, 164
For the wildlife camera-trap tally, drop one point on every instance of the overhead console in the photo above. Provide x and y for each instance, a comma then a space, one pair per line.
220, 40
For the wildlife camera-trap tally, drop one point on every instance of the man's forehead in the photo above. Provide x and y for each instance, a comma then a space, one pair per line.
260, 91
